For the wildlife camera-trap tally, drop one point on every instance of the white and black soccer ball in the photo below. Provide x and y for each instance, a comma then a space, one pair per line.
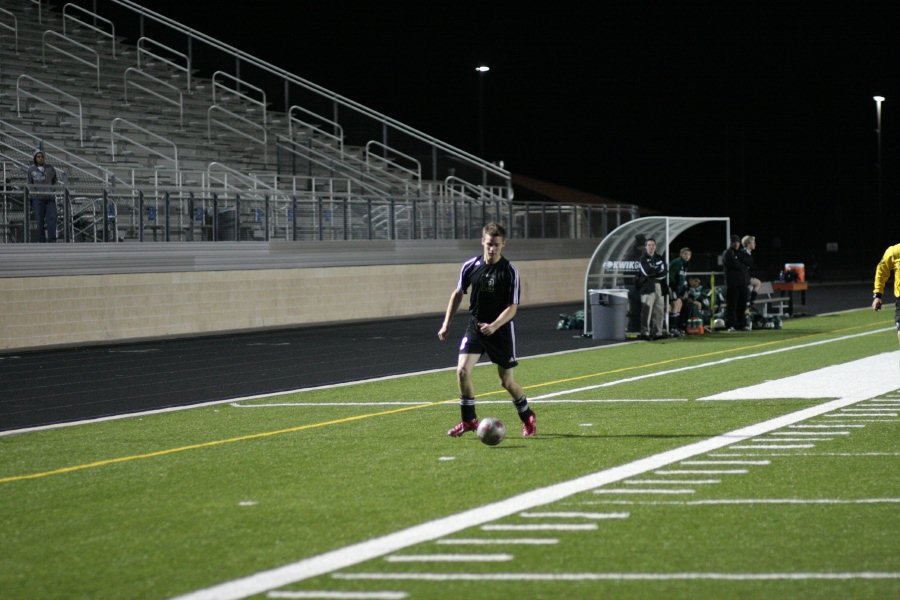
491, 431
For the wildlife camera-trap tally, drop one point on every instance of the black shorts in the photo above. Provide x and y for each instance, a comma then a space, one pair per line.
897, 313
500, 347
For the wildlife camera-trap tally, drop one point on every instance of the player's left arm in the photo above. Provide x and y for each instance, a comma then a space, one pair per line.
502, 319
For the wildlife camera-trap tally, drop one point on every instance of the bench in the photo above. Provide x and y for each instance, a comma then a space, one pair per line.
770, 303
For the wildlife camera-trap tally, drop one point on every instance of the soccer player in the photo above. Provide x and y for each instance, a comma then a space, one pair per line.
890, 263
493, 302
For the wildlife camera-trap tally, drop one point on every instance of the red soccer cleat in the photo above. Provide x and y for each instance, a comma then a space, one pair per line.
463, 427
529, 428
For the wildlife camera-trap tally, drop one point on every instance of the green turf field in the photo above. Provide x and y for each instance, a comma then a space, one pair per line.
635, 486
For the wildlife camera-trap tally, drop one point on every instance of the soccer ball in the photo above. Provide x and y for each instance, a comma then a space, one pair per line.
491, 431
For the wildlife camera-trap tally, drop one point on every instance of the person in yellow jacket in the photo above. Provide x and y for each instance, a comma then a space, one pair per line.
890, 263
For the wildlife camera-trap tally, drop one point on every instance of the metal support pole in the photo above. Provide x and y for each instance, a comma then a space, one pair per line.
105, 216
237, 217
140, 215
319, 217
215, 218
879, 217
166, 203
190, 231
266, 215
68, 224
345, 204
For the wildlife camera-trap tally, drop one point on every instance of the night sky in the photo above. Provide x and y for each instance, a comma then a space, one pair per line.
758, 111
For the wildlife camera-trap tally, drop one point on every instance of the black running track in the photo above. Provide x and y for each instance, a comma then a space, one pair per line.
56, 386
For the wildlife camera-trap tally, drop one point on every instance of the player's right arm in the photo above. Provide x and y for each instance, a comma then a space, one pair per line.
882, 274
452, 306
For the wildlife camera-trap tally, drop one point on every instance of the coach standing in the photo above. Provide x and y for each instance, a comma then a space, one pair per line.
737, 262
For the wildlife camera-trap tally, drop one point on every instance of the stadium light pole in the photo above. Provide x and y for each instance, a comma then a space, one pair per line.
481, 70
878, 100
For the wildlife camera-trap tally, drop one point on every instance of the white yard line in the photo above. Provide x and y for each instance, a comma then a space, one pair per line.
835, 426
573, 515
329, 595
408, 558
726, 462
542, 527
813, 454
671, 481
810, 433
663, 491
728, 501
498, 541
828, 575
779, 440
878, 381
703, 472
773, 446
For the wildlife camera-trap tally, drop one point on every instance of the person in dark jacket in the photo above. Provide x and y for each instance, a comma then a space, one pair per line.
737, 262
653, 288
634, 296
41, 178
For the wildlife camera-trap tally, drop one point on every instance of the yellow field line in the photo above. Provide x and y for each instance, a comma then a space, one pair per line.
242, 438
676, 359
254, 436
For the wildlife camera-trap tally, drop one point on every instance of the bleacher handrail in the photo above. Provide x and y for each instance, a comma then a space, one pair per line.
415, 173
113, 135
458, 153
111, 35
209, 121
73, 56
40, 10
455, 186
22, 92
252, 182
142, 50
61, 155
14, 27
236, 91
338, 136
357, 176
177, 103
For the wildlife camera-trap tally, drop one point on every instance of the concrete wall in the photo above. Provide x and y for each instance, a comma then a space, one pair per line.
62, 310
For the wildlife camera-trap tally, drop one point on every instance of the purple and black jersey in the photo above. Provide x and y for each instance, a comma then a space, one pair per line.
493, 287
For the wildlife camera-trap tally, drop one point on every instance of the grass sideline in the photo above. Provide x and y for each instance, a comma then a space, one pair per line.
160, 505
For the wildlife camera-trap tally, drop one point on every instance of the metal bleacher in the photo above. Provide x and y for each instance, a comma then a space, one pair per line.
153, 148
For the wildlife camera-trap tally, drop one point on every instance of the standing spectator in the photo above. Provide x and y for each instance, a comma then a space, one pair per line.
890, 263
737, 282
678, 285
652, 286
41, 179
749, 245
493, 303
634, 296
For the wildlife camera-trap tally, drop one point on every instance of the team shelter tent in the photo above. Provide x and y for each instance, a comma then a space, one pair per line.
614, 265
